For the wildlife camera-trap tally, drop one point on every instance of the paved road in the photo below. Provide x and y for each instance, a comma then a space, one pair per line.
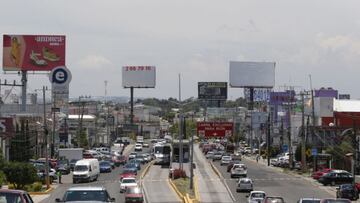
211, 188
274, 183
156, 186
108, 180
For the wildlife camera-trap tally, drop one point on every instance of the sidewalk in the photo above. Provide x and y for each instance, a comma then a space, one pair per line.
211, 187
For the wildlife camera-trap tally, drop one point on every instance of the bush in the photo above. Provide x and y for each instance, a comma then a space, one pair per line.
20, 174
178, 173
2, 178
35, 187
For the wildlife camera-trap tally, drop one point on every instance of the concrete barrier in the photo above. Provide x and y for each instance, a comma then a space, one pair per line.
186, 198
42, 193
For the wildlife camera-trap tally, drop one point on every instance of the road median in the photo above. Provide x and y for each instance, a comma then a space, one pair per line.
184, 196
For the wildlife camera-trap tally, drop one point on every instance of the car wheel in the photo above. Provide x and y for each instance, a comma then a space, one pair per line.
332, 183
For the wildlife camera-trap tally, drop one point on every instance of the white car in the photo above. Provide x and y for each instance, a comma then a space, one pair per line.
244, 184
132, 155
138, 147
256, 196
225, 160
127, 182
238, 171
209, 155
146, 145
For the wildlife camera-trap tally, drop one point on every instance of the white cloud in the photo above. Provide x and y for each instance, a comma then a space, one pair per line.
94, 61
340, 43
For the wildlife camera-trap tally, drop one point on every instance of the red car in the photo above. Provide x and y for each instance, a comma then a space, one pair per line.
317, 174
128, 173
118, 160
18, 196
134, 194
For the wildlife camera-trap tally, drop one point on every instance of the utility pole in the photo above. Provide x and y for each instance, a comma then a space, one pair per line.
268, 140
291, 157
47, 181
107, 113
52, 149
181, 133
355, 151
303, 145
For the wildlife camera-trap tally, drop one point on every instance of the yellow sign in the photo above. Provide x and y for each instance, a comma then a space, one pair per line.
308, 152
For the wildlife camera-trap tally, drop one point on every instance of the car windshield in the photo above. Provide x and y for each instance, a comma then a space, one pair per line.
81, 168
258, 195
128, 181
127, 171
9, 197
86, 196
227, 158
133, 190
310, 201
73, 160
104, 163
274, 200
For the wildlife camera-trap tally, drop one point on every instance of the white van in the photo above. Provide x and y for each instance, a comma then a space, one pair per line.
86, 170
138, 147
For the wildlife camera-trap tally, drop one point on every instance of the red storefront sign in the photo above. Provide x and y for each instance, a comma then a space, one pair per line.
215, 129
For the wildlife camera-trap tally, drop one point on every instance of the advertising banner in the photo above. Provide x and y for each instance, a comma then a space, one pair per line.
252, 74
33, 52
212, 90
7, 127
138, 76
215, 129
260, 94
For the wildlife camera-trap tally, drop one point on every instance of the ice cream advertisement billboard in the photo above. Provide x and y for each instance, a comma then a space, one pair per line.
33, 52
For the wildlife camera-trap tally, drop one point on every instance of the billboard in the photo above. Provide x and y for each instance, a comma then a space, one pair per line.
215, 129
260, 94
138, 76
252, 74
344, 96
212, 90
280, 98
33, 52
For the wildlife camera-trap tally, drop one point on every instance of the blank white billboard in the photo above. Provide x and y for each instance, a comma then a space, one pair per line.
138, 76
252, 74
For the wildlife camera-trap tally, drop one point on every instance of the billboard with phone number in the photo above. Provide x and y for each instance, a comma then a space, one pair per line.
215, 129
33, 52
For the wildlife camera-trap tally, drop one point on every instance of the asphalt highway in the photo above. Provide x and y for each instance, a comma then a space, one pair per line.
108, 180
274, 183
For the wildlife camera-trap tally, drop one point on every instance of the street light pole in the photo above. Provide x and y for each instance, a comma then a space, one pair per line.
192, 162
46, 143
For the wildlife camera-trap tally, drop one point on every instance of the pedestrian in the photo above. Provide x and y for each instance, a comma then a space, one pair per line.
257, 158
59, 176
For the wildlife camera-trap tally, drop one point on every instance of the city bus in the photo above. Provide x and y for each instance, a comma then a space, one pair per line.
162, 153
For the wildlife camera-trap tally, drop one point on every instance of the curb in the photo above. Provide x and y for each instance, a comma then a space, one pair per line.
222, 180
180, 196
146, 170
42, 193
196, 189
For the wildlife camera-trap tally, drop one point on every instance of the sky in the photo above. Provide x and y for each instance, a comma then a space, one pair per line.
194, 38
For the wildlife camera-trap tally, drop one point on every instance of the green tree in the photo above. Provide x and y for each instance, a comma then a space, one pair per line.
84, 143
20, 174
20, 144
190, 128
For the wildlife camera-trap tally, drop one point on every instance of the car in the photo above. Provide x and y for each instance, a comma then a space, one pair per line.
128, 172
336, 177
308, 200
18, 196
217, 156
131, 165
134, 194
209, 155
72, 163
274, 199
132, 155
105, 167
63, 166
231, 164
317, 174
238, 172
138, 147
147, 157
140, 158
86, 194
236, 156
330, 200
347, 191
86, 170
119, 160
225, 160
137, 162
244, 184
146, 145
256, 196
127, 182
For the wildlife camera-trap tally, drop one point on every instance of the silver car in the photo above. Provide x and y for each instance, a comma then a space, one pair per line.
238, 171
244, 184
256, 196
87, 193
225, 160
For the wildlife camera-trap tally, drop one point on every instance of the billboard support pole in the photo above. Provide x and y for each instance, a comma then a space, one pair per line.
268, 139
23, 90
251, 103
131, 105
